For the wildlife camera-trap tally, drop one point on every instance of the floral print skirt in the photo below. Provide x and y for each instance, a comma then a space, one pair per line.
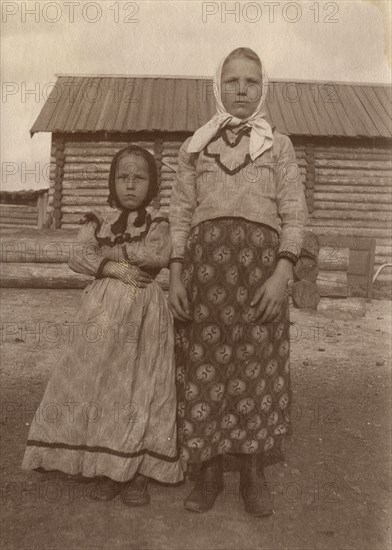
232, 372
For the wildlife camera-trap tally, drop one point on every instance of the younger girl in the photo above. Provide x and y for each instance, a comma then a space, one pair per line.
237, 219
109, 410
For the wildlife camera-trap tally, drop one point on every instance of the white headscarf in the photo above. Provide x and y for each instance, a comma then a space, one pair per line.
261, 134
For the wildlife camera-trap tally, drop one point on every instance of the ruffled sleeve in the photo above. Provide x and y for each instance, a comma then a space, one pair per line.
152, 248
86, 256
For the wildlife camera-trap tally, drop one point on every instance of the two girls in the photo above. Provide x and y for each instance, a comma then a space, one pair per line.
237, 220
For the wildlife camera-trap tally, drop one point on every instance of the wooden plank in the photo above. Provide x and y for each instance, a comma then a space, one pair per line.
351, 102
339, 178
79, 209
311, 112
344, 241
338, 128
333, 257
332, 284
305, 295
30, 218
78, 180
90, 192
289, 120
352, 215
381, 199
370, 101
354, 164
79, 200
332, 173
373, 228
305, 269
18, 221
324, 121
18, 207
353, 207
13, 227
44, 249
385, 101
354, 147
112, 145
41, 276
353, 191
354, 154
359, 262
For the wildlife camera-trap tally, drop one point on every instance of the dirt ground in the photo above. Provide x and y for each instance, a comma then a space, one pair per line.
333, 492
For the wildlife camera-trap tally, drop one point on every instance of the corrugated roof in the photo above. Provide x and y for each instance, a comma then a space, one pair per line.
175, 104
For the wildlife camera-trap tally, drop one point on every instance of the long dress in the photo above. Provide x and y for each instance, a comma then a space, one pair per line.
110, 405
233, 372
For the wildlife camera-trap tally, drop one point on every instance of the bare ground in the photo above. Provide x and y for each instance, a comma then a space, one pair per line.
333, 492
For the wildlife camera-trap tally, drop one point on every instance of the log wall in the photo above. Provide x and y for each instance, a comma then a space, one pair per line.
348, 185
24, 215
353, 197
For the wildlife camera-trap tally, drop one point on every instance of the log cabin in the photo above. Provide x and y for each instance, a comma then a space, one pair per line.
341, 134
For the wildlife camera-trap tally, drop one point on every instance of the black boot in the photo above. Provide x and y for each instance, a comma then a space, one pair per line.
135, 492
254, 488
103, 489
208, 485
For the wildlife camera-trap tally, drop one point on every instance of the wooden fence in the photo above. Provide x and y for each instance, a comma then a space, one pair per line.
30, 215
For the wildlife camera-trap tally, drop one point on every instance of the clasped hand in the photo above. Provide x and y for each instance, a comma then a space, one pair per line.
128, 274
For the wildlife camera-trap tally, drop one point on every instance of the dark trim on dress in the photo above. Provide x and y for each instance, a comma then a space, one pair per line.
123, 237
285, 255
216, 156
97, 449
99, 274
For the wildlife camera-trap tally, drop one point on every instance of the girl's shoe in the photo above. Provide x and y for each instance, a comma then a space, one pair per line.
103, 489
208, 485
254, 488
135, 492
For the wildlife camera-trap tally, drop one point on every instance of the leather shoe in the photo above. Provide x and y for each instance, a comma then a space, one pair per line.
208, 485
135, 492
103, 489
254, 488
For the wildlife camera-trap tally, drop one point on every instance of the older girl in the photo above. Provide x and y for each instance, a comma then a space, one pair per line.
237, 219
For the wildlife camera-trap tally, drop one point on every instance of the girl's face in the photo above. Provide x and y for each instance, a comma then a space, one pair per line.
132, 180
241, 86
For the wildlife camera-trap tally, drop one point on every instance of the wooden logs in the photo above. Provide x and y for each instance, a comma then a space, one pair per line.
333, 258
41, 276
310, 245
306, 270
305, 295
40, 246
13, 220
333, 284
304, 291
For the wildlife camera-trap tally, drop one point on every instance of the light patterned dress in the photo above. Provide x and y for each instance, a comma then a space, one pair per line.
110, 405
